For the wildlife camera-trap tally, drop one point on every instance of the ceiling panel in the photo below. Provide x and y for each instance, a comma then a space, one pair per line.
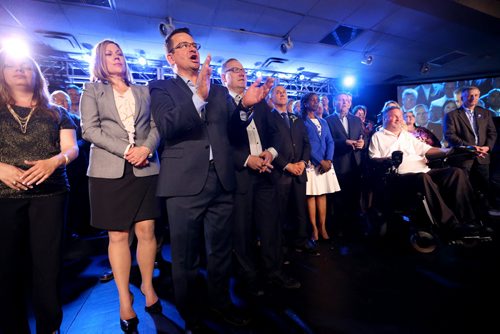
294, 6
237, 15
335, 10
312, 29
268, 24
369, 14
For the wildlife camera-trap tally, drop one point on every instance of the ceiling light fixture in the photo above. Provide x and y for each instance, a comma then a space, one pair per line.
425, 68
167, 27
286, 44
367, 59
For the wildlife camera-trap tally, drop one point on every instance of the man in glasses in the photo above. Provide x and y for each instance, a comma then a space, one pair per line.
255, 198
197, 175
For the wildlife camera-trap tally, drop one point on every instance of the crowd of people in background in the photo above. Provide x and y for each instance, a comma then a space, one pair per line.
237, 167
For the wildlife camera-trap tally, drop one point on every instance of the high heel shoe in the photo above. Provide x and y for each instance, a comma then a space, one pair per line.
156, 308
129, 326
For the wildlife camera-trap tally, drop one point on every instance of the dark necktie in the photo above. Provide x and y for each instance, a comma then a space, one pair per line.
284, 115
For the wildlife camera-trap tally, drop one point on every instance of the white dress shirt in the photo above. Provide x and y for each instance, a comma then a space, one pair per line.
384, 142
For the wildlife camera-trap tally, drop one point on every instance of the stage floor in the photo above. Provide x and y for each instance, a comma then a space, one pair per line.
359, 286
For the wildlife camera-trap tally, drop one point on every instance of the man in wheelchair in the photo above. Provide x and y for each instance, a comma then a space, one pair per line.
447, 192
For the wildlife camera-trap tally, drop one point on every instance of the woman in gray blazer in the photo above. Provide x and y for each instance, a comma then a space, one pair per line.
122, 171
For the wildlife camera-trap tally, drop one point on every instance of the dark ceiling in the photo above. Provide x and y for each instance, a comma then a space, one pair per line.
457, 39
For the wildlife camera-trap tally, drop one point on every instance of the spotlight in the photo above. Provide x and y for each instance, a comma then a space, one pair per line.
16, 47
166, 28
286, 44
141, 59
258, 74
349, 81
367, 59
302, 77
425, 68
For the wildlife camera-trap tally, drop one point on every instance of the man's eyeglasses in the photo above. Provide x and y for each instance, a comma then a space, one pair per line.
236, 70
185, 45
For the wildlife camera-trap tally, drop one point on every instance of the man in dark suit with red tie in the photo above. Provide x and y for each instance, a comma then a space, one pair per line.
471, 125
254, 212
348, 135
197, 175
290, 172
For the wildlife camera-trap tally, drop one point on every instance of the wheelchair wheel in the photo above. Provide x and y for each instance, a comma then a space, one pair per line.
423, 241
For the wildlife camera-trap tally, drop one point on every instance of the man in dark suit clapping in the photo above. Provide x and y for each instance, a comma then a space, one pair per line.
197, 175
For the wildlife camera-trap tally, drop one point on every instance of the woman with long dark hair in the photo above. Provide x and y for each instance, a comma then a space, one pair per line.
122, 172
37, 141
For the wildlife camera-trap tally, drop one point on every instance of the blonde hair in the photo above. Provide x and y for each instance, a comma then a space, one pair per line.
98, 68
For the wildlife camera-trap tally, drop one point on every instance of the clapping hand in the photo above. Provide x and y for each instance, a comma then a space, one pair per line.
256, 93
203, 80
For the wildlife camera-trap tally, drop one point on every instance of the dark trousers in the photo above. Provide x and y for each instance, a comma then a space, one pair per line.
32, 232
447, 190
479, 176
347, 202
255, 215
194, 220
293, 211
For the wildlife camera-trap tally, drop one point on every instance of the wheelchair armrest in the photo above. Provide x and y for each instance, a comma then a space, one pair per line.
459, 154
380, 166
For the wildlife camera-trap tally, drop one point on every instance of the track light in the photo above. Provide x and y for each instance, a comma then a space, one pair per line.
167, 27
286, 44
425, 68
367, 59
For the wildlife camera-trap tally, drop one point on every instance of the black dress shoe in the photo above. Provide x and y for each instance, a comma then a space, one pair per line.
106, 277
279, 279
199, 328
156, 308
232, 315
129, 326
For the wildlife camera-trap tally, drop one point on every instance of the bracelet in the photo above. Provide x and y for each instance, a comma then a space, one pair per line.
66, 159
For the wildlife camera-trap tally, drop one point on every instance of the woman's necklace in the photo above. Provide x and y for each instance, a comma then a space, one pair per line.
23, 121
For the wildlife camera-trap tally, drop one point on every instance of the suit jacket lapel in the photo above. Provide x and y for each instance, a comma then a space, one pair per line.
350, 125
138, 100
180, 82
340, 125
106, 90
462, 114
